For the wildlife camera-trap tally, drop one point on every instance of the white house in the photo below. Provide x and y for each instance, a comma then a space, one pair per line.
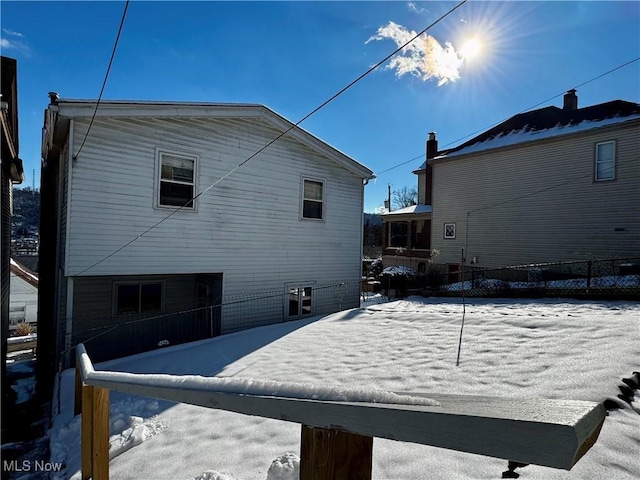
548, 185
164, 210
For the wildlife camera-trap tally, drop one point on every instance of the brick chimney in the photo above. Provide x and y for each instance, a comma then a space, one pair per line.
432, 145
570, 100
432, 150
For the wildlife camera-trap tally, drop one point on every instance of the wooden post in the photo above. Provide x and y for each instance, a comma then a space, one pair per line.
100, 434
327, 454
87, 427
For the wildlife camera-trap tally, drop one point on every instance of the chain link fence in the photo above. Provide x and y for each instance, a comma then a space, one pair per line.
118, 336
617, 278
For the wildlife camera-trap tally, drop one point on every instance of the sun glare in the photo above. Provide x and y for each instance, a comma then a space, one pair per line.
471, 49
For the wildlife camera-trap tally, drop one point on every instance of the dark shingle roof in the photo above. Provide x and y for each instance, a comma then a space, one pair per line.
552, 117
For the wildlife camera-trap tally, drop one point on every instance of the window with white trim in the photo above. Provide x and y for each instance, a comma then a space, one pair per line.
312, 199
299, 301
136, 298
605, 168
176, 182
450, 230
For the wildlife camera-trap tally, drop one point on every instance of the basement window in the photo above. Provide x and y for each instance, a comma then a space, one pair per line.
136, 298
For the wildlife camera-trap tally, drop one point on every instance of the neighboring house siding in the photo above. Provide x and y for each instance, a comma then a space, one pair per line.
539, 202
247, 227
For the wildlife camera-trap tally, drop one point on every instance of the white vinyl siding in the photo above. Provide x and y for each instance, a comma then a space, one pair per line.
544, 206
605, 161
247, 226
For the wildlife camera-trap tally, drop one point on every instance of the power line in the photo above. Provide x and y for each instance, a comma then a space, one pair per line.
295, 125
523, 111
106, 76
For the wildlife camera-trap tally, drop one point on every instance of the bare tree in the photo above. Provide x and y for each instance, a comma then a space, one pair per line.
405, 197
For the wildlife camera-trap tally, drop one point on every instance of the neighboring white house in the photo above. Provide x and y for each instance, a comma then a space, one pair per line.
128, 242
549, 185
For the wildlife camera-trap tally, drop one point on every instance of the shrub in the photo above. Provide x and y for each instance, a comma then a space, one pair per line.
23, 329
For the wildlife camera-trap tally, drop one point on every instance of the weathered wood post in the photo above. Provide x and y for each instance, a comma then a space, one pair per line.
95, 433
100, 434
87, 437
327, 454
77, 402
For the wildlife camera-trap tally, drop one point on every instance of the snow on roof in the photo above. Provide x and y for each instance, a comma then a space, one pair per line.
526, 134
398, 270
411, 209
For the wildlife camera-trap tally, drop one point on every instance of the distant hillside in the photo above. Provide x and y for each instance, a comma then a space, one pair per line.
26, 213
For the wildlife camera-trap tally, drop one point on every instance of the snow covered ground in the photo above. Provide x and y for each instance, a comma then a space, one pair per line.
563, 349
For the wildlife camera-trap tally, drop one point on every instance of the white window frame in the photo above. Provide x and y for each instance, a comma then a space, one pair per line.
139, 283
444, 231
323, 201
598, 162
299, 287
158, 178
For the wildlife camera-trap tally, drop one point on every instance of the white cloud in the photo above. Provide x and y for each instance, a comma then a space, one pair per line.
413, 8
424, 58
12, 33
4, 43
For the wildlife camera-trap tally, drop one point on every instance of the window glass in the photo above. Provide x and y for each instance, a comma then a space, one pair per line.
398, 234
312, 202
605, 161
138, 298
177, 181
176, 194
306, 300
293, 302
421, 238
177, 169
151, 297
128, 299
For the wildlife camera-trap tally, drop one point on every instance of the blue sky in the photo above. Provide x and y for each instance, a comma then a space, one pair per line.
292, 56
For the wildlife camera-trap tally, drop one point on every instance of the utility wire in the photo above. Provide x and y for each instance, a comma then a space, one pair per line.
106, 76
523, 111
293, 126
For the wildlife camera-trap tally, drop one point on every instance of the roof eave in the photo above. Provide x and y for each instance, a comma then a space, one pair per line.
70, 108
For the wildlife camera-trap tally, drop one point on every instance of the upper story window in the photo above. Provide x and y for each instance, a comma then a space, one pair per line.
398, 234
605, 161
312, 199
176, 186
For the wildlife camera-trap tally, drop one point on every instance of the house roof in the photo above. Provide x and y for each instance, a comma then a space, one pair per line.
545, 123
410, 210
73, 108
